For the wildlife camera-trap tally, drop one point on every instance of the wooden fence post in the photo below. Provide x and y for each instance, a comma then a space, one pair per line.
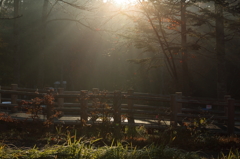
117, 107
131, 128
231, 116
95, 105
14, 97
83, 102
130, 108
173, 105
49, 112
60, 100
95, 90
226, 97
117, 114
0, 96
178, 106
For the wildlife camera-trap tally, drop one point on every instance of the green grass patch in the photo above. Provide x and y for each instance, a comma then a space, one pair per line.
78, 149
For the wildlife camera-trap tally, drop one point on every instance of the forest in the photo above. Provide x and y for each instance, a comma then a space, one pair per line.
151, 46
135, 79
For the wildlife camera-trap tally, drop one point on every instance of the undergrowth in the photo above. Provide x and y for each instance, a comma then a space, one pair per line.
21, 139
75, 148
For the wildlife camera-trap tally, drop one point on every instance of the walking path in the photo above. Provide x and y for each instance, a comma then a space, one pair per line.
148, 123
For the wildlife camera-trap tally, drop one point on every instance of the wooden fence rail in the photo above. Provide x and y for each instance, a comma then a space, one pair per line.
174, 108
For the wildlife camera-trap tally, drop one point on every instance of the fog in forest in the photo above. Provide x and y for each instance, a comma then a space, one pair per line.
113, 46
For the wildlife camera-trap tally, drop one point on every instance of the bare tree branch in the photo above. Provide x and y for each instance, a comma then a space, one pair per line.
75, 6
72, 20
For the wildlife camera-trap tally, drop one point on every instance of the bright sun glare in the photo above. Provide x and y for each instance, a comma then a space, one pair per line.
121, 2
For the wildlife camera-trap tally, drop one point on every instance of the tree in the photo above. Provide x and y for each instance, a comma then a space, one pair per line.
17, 55
10, 17
220, 51
223, 14
41, 65
158, 32
186, 77
165, 28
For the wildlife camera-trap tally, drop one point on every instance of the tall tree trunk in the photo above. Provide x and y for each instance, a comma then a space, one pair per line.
185, 72
41, 65
16, 56
220, 52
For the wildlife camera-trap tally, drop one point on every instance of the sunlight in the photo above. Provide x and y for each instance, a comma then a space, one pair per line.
122, 2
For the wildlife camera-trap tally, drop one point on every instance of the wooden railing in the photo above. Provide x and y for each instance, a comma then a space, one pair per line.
174, 108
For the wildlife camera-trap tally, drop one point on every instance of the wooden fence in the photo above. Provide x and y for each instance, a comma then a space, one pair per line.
150, 107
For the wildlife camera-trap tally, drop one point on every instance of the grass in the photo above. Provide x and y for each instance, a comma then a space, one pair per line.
19, 140
77, 149
232, 154
136, 143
